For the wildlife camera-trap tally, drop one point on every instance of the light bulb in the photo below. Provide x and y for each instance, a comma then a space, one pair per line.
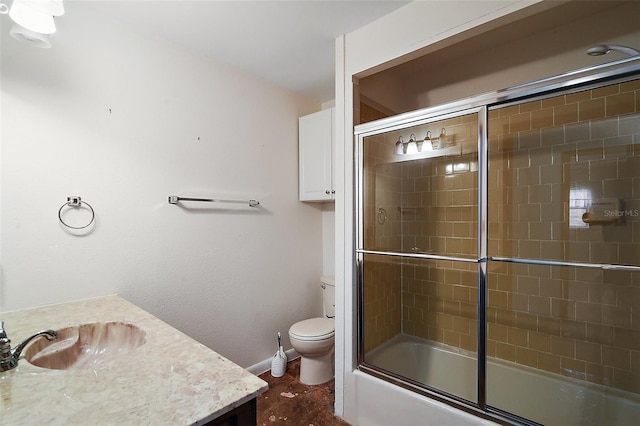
443, 138
427, 143
412, 146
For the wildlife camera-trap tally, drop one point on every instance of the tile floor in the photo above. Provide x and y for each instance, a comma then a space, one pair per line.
289, 402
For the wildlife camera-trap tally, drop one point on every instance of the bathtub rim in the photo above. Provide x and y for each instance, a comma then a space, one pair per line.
490, 412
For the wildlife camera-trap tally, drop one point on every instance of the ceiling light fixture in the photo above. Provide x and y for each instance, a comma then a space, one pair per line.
33, 20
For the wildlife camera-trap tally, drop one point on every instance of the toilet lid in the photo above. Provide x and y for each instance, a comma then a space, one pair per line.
314, 329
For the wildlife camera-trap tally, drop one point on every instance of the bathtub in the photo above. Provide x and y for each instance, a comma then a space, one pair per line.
533, 394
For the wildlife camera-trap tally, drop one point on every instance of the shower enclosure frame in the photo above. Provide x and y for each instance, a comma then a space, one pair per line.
582, 79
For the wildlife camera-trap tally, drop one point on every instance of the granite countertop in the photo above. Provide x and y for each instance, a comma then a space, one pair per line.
171, 379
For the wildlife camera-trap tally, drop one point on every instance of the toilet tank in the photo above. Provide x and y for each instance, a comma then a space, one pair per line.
329, 295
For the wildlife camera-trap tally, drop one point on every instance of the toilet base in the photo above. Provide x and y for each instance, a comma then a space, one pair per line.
316, 370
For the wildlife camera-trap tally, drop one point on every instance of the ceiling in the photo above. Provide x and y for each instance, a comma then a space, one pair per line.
287, 43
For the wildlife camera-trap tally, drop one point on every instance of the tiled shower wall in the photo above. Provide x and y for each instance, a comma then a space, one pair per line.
382, 275
549, 160
404, 213
382, 301
439, 212
578, 322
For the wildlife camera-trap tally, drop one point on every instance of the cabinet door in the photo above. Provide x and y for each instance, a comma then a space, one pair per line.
315, 156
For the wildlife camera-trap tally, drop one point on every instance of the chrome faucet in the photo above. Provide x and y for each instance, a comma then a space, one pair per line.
9, 357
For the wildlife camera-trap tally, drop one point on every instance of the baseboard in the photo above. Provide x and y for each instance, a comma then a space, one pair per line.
264, 366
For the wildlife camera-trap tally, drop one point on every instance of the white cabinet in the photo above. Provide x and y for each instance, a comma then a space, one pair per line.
316, 156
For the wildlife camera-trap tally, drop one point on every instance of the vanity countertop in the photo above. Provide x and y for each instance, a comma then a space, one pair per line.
171, 379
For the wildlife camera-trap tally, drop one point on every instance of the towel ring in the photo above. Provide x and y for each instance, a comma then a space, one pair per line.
76, 202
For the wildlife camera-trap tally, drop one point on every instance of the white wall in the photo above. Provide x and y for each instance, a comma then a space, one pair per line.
360, 398
328, 239
124, 121
328, 225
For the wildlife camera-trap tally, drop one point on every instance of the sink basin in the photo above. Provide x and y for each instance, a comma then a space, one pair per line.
85, 346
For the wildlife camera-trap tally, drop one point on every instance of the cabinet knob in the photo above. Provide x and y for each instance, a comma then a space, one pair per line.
327, 192
333, 191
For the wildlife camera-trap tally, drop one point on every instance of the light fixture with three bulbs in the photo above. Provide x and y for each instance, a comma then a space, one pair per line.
413, 146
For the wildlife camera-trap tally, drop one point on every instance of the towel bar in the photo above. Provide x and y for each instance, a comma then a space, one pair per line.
174, 199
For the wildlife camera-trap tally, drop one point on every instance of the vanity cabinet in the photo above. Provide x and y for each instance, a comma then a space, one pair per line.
246, 414
316, 156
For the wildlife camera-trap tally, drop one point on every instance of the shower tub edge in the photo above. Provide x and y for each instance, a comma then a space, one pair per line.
541, 396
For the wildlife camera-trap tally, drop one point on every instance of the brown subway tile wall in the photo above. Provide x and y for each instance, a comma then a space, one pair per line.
577, 155
382, 304
439, 298
439, 302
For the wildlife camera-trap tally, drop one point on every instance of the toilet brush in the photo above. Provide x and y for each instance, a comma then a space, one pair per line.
279, 361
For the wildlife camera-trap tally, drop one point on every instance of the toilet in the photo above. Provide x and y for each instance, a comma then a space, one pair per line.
314, 339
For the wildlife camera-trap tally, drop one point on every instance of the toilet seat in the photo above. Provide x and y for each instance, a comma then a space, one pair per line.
313, 329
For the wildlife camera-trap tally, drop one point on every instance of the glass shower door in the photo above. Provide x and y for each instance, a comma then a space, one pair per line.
564, 248
418, 252
498, 258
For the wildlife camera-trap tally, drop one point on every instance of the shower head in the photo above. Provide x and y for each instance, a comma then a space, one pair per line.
603, 49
